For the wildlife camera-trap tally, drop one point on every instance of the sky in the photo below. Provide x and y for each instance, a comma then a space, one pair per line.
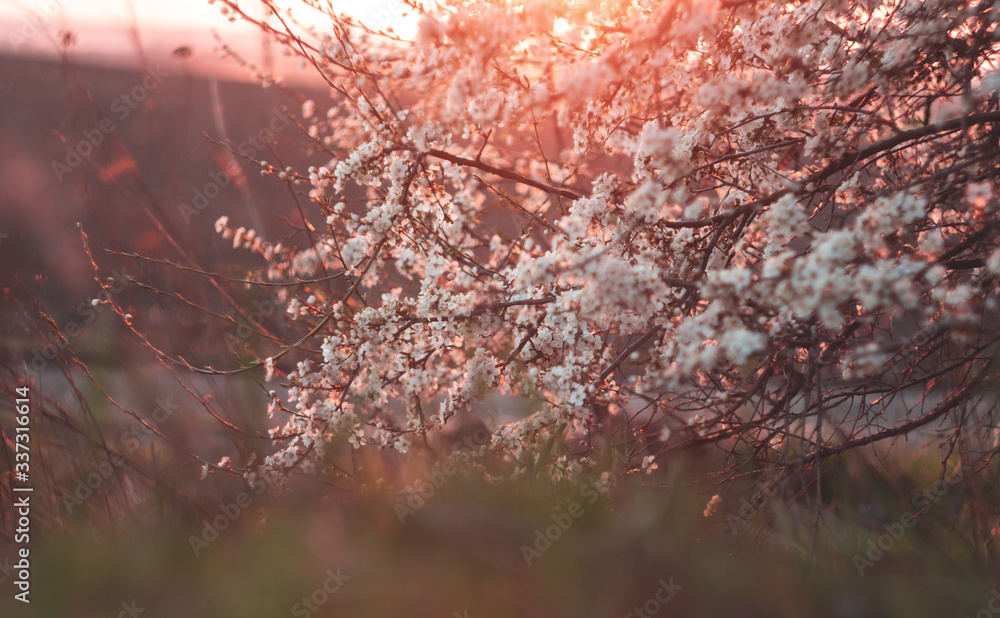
102, 28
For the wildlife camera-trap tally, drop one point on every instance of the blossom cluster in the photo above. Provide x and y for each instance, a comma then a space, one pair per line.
617, 217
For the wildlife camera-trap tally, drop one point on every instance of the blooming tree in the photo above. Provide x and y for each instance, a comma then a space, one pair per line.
640, 226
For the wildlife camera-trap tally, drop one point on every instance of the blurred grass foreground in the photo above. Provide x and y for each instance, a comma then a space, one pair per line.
890, 540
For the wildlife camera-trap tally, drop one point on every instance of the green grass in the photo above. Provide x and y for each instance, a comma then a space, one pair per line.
463, 552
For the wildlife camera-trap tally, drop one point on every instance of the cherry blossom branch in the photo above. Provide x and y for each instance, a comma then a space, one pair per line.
501, 172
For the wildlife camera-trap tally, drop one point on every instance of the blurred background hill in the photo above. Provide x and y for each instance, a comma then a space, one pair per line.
127, 194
